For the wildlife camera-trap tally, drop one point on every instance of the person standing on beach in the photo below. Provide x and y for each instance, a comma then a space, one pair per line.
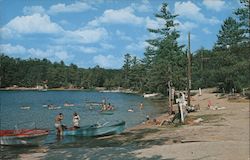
58, 123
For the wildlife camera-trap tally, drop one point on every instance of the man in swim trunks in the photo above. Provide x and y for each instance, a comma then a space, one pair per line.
58, 125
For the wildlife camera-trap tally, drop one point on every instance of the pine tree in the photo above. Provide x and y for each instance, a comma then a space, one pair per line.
243, 15
164, 56
230, 34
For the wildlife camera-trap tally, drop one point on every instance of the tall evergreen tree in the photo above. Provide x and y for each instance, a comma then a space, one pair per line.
164, 57
243, 15
230, 34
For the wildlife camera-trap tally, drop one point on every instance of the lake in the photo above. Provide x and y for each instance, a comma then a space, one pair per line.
12, 114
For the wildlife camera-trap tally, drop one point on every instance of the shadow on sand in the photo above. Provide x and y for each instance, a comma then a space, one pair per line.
111, 147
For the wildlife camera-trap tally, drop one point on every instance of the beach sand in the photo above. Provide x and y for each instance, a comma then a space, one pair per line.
223, 133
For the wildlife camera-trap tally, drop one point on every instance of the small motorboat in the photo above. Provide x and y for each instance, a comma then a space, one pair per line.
105, 129
23, 136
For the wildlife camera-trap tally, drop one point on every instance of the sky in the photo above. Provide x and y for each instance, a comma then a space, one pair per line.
100, 32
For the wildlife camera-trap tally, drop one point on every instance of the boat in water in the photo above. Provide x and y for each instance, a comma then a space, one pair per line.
108, 112
23, 136
96, 130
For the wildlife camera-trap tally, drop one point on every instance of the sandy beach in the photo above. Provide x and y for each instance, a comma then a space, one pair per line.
222, 133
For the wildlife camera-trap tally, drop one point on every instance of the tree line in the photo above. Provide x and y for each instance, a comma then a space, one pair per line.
33, 72
225, 66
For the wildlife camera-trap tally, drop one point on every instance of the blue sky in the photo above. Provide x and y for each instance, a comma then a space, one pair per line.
100, 32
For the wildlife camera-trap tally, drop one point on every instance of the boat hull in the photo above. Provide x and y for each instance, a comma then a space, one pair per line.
23, 137
97, 130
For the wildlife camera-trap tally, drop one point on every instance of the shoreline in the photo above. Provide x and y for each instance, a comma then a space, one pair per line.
221, 132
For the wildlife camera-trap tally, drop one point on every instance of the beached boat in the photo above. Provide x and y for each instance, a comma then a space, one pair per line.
107, 128
23, 136
150, 95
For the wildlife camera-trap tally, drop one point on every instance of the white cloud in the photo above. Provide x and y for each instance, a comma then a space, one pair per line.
122, 35
84, 35
207, 31
108, 61
154, 24
191, 11
29, 10
35, 23
139, 46
74, 7
52, 53
12, 50
120, 16
186, 26
88, 50
144, 6
107, 46
216, 5
214, 20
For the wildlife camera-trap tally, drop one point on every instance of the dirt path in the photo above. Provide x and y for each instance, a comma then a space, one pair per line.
223, 134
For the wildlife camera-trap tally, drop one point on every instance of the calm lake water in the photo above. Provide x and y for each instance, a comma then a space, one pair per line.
85, 148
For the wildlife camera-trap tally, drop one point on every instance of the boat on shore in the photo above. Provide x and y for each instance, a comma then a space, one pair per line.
95, 130
23, 136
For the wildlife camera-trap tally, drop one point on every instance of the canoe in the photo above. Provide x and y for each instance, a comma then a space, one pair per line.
23, 136
107, 112
105, 129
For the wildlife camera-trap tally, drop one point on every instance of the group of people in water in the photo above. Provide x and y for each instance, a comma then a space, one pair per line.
76, 118
107, 107
59, 126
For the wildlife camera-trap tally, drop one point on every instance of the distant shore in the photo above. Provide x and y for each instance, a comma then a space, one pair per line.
100, 89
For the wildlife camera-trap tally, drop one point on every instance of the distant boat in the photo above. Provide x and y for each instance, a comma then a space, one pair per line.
25, 107
54, 107
105, 129
23, 136
69, 105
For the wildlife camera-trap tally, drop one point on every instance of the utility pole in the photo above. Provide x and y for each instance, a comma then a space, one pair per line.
170, 98
189, 68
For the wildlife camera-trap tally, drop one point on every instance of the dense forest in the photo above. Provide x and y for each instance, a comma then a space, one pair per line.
225, 66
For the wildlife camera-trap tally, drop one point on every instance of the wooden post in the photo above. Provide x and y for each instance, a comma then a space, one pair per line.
169, 98
189, 69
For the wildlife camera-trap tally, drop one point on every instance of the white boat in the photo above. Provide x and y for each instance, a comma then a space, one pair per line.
25, 107
150, 95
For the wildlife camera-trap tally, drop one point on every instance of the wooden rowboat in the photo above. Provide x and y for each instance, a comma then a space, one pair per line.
23, 136
108, 128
